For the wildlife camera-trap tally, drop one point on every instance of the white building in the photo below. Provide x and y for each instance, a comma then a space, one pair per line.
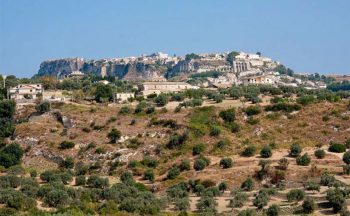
148, 88
26, 91
122, 97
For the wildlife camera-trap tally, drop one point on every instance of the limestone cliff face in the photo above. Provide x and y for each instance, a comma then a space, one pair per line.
127, 71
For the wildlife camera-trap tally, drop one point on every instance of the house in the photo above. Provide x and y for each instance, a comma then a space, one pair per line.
26, 91
259, 79
148, 88
122, 97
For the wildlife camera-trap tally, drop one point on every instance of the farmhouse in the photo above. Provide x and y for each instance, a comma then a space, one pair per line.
26, 91
148, 88
122, 97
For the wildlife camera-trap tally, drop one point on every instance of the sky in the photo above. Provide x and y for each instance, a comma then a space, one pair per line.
305, 35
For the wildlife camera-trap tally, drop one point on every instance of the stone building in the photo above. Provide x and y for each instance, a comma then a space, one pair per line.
259, 79
122, 97
26, 91
148, 88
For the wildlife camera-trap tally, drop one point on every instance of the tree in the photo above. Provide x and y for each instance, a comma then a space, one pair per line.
198, 149
238, 199
309, 206
320, 153
80, 180
199, 164
249, 151
173, 173
161, 100
312, 186
126, 177
223, 186
43, 107
337, 147
95, 181
231, 56
346, 157
114, 135
295, 150
226, 163
247, 185
56, 198
228, 115
252, 110
304, 160
185, 165
68, 163
336, 198
103, 93
261, 200
266, 152
207, 204
273, 210
182, 204
11, 155
66, 145
7, 112
149, 175
283, 163
295, 195
247, 212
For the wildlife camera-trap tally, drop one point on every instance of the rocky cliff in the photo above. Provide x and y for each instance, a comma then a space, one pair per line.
128, 71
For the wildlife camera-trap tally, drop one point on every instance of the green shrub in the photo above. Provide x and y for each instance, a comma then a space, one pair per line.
309, 206
238, 199
305, 100
199, 164
198, 149
226, 163
252, 121
56, 198
347, 143
215, 130
68, 163
247, 185
252, 110
295, 150
249, 151
173, 173
149, 175
346, 157
11, 155
234, 127
184, 165
304, 160
66, 145
43, 107
312, 186
206, 204
221, 144
124, 110
320, 153
327, 179
247, 212
337, 147
126, 177
273, 210
80, 180
295, 195
228, 115
283, 163
261, 200
346, 169
161, 100
336, 198
114, 135
266, 152
95, 181
149, 162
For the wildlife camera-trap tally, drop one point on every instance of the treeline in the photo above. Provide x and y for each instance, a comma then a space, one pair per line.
340, 86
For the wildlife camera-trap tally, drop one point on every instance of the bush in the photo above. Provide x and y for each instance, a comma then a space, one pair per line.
337, 147
95, 181
283, 163
261, 200
247, 212
215, 130
336, 198
347, 143
295, 150
252, 110
304, 160
206, 204
295, 195
312, 186
66, 145
56, 198
198, 149
273, 210
114, 135
226, 163
173, 173
346, 169
327, 180
266, 152
309, 206
124, 110
33, 173
234, 127
177, 140
149, 175
346, 157
68, 163
199, 164
80, 180
184, 165
223, 186
238, 199
149, 162
161, 100
126, 177
320, 153
43, 107
221, 144
247, 185
228, 115
11, 155
249, 151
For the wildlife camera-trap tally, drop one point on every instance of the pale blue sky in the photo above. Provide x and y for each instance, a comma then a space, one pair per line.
306, 35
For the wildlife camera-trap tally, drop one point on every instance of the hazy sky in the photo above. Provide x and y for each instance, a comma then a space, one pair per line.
305, 35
